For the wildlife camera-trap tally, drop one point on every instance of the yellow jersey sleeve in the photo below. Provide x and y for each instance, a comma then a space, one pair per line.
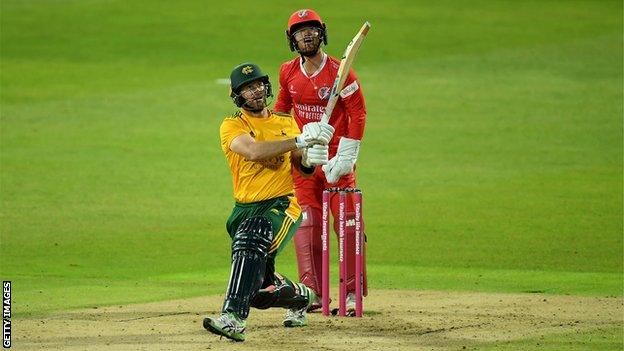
231, 127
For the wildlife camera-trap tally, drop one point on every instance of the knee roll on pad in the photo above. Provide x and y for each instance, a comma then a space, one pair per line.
253, 234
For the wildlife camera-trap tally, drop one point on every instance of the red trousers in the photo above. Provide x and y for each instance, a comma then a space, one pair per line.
308, 243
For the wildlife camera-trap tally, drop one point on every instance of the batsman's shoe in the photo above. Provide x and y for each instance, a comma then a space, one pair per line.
228, 325
297, 317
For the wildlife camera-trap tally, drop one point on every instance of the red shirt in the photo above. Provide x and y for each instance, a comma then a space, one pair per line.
308, 96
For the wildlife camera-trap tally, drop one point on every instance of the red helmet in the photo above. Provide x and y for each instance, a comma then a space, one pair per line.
302, 16
298, 18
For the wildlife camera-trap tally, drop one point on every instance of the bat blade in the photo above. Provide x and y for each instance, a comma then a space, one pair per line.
343, 70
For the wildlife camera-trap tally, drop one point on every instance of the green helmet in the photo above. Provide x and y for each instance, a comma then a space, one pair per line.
245, 73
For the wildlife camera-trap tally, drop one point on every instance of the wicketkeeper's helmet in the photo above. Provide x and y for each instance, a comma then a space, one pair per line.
246, 73
301, 18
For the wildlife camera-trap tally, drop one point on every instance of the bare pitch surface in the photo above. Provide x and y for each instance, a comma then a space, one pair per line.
395, 319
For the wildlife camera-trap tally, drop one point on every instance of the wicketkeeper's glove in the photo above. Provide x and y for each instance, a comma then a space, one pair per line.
343, 162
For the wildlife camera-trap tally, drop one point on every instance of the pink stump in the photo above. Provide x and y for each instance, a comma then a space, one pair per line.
325, 259
342, 287
357, 199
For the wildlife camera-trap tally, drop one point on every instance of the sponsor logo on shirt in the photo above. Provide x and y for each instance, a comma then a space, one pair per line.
349, 89
272, 163
310, 112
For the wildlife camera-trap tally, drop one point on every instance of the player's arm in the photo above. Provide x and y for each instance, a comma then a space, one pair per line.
312, 134
355, 106
253, 150
284, 99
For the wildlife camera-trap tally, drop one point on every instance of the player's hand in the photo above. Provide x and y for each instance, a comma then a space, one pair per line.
344, 161
315, 155
314, 133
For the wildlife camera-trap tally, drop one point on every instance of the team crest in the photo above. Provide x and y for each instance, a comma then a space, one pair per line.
303, 13
247, 70
323, 93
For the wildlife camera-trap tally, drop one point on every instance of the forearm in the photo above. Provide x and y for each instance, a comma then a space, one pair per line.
357, 124
260, 150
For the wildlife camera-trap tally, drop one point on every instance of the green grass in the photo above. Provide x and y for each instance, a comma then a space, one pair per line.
492, 159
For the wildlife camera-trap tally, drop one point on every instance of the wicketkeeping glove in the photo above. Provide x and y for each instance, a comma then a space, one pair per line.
343, 162
314, 133
315, 155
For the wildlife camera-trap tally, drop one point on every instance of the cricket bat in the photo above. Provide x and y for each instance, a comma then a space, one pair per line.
343, 70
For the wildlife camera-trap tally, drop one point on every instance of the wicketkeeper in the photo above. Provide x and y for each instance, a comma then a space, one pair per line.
305, 86
261, 149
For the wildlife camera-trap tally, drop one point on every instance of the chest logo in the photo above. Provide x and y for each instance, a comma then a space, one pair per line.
323, 93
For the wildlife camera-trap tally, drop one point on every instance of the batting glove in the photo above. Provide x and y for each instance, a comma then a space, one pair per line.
315, 155
344, 161
314, 133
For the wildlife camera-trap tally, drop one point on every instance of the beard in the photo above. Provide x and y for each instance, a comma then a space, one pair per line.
308, 46
255, 104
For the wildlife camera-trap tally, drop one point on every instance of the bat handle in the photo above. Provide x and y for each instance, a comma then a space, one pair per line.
324, 118
328, 111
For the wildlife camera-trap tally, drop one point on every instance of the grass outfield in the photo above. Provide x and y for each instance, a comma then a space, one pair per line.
492, 159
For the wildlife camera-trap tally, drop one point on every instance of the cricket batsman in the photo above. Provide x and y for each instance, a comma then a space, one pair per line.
305, 86
262, 148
